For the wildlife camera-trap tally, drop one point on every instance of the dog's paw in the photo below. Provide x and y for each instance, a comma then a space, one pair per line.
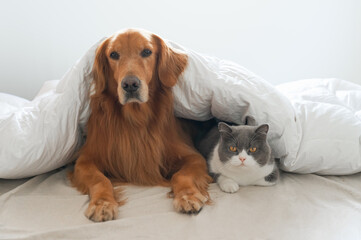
102, 210
189, 201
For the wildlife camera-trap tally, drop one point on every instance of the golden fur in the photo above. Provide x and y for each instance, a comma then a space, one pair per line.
139, 141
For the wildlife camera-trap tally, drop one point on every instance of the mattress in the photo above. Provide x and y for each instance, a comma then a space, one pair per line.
299, 207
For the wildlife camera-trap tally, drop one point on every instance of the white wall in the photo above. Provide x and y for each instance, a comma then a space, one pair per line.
279, 40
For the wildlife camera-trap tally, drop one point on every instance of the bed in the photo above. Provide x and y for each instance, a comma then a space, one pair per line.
300, 206
315, 129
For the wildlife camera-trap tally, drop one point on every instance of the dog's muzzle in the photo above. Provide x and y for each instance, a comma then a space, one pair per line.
130, 84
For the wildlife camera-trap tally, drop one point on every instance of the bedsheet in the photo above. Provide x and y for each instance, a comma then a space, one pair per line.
298, 207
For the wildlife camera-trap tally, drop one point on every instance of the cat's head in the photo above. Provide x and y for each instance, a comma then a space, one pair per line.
244, 145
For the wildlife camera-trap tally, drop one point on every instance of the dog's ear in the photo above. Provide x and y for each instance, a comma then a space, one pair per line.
101, 68
171, 63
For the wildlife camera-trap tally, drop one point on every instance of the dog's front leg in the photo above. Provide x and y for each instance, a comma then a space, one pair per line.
88, 179
190, 184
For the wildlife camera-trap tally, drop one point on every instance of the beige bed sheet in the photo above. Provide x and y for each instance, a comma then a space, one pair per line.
298, 207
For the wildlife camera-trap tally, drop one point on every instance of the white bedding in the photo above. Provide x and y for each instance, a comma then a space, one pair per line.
298, 207
315, 125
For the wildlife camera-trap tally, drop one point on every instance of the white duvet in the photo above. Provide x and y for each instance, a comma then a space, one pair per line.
315, 125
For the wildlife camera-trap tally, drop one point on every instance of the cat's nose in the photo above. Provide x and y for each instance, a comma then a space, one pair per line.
242, 159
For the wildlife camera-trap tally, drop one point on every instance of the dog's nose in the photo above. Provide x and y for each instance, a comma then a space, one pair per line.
130, 84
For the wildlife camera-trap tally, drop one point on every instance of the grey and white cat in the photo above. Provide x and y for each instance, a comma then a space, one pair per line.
239, 155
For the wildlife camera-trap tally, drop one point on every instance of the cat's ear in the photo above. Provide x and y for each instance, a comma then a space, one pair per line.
262, 131
224, 128
250, 121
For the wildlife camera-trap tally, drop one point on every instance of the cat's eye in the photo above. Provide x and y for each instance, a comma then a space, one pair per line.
233, 149
253, 149
114, 55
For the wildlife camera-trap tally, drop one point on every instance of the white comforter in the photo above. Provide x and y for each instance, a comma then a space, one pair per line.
315, 125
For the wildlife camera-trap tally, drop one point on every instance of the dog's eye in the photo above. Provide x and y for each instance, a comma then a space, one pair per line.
114, 55
146, 53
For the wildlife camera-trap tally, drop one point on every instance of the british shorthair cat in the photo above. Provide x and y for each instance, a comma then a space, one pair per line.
239, 155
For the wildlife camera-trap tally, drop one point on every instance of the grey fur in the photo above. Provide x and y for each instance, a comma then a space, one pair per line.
208, 143
250, 121
243, 137
273, 177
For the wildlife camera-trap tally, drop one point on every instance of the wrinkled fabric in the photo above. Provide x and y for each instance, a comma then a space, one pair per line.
329, 111
43, 134
299, 207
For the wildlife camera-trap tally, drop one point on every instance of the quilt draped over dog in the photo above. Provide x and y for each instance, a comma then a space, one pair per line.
315, 124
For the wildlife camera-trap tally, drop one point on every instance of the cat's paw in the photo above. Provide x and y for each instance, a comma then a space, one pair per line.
228, 186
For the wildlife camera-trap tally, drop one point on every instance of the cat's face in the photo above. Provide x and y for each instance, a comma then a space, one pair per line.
244, 146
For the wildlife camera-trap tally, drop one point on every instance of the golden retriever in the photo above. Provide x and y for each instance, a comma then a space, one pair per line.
133, 135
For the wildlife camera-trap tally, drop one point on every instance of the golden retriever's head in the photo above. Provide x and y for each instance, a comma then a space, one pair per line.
127, 62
